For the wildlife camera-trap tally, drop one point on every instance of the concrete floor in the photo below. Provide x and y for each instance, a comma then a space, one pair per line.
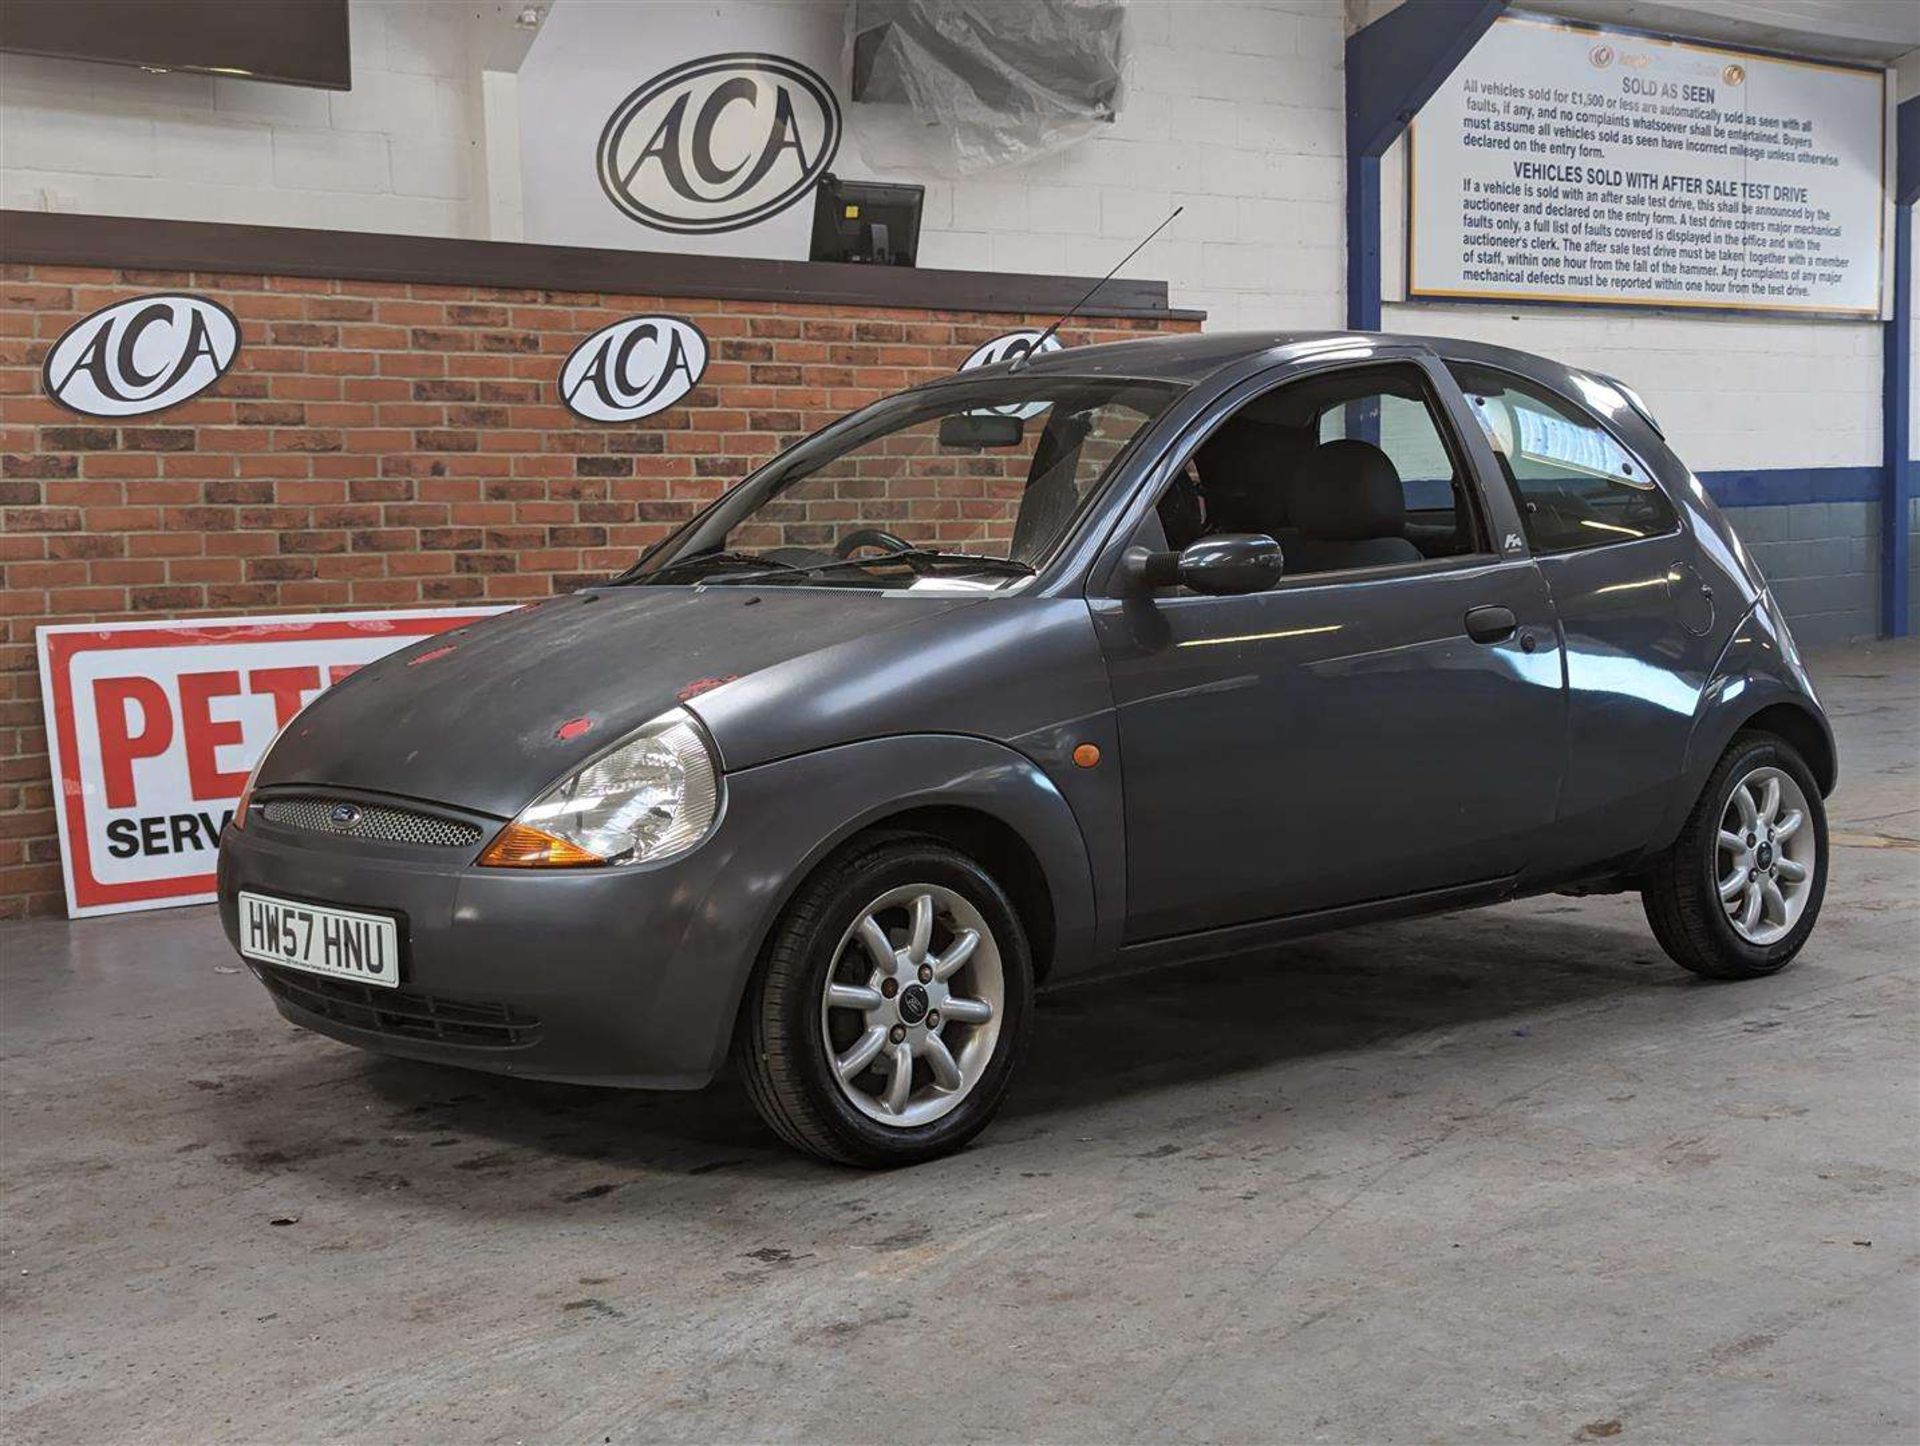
1506, 1175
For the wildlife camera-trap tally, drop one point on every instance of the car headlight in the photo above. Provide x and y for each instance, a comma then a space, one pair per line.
245, 800
649, 798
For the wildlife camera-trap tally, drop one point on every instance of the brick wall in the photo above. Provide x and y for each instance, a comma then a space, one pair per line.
912, 484
383, 445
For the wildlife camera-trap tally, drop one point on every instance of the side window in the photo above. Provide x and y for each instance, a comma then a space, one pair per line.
1575, 485
1405, 430
1351, 468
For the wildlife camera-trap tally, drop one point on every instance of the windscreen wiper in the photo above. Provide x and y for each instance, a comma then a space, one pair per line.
760, 566
978, 561
922, 560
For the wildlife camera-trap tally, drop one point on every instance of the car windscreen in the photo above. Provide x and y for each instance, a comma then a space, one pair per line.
969, 485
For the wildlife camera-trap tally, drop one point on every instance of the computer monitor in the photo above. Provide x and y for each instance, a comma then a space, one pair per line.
873, 222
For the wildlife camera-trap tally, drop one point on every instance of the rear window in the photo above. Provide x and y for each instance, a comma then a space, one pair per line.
1575, 483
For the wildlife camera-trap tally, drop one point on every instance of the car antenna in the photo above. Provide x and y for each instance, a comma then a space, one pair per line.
1032, 351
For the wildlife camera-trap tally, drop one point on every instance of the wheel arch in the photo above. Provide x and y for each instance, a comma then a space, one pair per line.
993, 843
1800, 726
981, 797
1789, 716
1757, 684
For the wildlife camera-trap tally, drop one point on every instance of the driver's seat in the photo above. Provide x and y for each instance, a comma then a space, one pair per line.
1349, 509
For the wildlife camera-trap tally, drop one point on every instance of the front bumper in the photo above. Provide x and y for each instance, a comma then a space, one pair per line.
604, 976
633, 976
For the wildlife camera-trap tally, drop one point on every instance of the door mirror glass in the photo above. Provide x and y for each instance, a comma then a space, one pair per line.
1231, 562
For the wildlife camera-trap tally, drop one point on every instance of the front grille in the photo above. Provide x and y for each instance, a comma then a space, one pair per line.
373, 821
402, 1012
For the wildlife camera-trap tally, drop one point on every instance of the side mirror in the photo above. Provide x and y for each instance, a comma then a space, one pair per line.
1231, 562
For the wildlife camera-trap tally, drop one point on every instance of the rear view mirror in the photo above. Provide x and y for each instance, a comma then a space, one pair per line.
981, 429
1232, 562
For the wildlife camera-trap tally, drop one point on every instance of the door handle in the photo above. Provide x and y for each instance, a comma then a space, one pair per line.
1490, 624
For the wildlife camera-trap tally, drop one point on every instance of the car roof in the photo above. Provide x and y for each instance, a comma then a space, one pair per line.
1193, 357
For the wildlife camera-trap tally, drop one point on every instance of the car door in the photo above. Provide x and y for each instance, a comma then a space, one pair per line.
1639, 624
1342, 737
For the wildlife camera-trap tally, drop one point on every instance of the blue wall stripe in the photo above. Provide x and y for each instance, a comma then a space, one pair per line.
1781, 486
1363, 242
1770, 487
1394, 66
1896, 405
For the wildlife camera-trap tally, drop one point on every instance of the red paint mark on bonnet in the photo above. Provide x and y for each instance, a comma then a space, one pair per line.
573, 728
703, 685
428, 656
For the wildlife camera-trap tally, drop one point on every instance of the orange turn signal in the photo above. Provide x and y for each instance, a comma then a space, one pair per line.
518, 846
1087, 755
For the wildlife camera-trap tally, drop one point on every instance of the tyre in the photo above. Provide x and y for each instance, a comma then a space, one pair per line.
891, 1007
1737, 893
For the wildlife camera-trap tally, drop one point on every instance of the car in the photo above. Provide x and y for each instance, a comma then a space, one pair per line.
1119, 656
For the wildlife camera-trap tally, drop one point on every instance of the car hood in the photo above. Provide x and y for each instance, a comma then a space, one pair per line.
487, 716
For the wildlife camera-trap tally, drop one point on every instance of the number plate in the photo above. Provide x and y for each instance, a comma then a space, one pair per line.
320, 940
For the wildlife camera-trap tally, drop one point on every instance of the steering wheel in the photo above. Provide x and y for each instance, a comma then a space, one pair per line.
870, 537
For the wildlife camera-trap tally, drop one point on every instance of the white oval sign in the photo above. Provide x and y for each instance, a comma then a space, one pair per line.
719, 143
633, 368
1009, 347
139, 356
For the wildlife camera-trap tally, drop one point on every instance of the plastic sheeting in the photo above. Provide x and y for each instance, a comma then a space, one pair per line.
999, 83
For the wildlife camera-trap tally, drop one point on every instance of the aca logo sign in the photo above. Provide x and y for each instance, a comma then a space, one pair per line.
141, 355
719, 143
1011, 347
633, 368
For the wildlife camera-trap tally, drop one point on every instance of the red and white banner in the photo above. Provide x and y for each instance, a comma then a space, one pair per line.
154, 727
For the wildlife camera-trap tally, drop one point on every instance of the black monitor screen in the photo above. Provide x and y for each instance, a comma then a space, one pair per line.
875, 222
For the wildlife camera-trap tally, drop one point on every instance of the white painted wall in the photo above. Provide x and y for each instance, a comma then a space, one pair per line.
396, 153
1237, 116
1236, 111
1731, 393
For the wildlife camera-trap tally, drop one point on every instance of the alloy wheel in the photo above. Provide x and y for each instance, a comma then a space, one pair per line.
1765, 856
912, 1005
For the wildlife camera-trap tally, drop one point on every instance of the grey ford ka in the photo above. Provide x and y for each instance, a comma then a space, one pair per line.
1117, 656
